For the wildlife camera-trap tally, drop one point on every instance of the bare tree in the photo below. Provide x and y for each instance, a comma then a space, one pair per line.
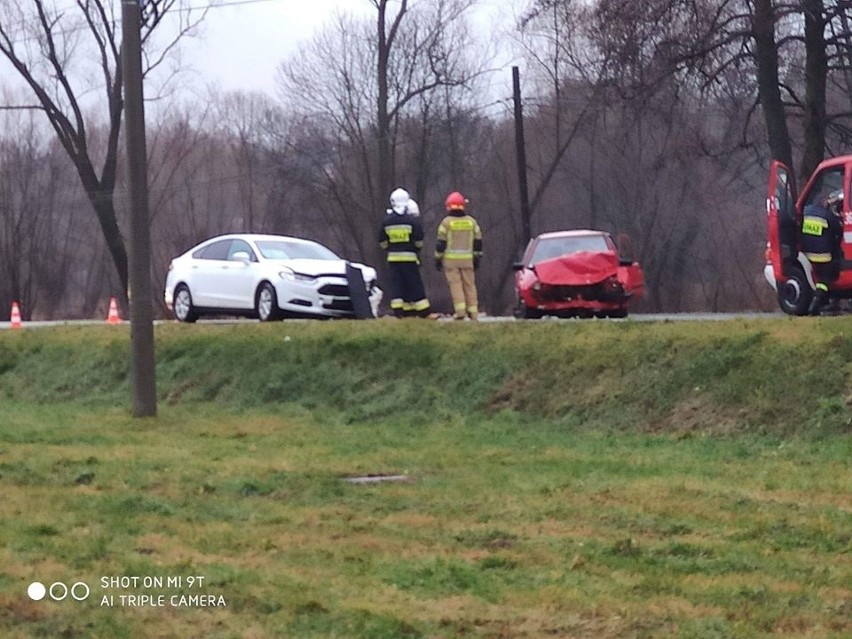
356, 87
417, 51
624, 140
37, 215
793, 50
568, 73
244, 120
64, 54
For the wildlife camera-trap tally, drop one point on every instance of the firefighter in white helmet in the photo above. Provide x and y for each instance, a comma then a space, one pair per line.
458, 252
401, 236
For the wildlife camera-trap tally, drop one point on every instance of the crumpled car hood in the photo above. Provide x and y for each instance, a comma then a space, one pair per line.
324, 267
577, 269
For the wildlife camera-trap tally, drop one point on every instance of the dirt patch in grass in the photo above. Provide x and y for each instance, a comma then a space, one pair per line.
701, 414
698, 413
14, 610
515, 394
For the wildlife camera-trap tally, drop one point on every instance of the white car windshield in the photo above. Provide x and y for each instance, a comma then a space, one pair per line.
549, 248
287, 250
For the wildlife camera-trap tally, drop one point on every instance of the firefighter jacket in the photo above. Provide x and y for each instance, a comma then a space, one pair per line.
401, 235
822, 232
459, 242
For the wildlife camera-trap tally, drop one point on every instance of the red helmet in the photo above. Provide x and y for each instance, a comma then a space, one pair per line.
455, 201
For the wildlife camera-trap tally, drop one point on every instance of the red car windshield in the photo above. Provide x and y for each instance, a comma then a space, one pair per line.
551, 247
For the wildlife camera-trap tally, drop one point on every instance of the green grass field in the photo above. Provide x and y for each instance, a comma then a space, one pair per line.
561, 479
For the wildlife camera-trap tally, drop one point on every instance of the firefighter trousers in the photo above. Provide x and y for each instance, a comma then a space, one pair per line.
408, 295
463, 291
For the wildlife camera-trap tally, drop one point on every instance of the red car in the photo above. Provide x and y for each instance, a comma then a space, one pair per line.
575, 274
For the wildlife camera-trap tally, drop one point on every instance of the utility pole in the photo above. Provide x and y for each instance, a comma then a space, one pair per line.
521, 153
143, 377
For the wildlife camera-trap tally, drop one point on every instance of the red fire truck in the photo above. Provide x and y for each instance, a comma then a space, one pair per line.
787, 270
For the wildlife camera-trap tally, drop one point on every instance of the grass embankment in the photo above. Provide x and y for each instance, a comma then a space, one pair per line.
569, 479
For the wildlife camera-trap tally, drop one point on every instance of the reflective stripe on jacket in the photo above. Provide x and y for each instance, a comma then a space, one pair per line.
459, 239
402, 237
822, 232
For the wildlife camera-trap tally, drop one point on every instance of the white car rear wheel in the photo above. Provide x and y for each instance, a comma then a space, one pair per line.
182, 305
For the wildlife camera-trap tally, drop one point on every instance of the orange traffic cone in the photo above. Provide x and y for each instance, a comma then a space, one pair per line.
113, 317
16, 316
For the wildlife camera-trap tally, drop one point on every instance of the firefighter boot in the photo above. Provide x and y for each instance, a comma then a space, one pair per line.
819, 299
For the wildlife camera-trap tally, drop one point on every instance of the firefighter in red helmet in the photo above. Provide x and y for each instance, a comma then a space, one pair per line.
458, 252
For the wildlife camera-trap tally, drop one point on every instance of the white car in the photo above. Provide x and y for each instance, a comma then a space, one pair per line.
268, 277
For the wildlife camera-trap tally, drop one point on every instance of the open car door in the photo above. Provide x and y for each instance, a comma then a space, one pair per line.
783, 221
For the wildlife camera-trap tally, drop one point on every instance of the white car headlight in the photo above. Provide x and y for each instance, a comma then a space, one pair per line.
293, 276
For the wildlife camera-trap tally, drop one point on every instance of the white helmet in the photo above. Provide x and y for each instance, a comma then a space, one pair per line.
399, 200
413, 208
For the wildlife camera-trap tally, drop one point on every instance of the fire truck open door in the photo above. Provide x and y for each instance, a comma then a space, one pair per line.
784, 223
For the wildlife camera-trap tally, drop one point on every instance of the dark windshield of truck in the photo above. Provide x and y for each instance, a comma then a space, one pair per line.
826, 183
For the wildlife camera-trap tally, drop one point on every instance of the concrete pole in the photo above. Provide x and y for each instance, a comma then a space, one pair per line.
143, 377
521, 152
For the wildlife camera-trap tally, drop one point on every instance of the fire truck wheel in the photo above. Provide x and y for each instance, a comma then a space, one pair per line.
795, 293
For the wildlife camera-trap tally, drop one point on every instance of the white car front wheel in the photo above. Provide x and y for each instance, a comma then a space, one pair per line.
266, 303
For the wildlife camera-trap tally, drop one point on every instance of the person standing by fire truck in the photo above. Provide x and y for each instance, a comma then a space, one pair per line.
822, 233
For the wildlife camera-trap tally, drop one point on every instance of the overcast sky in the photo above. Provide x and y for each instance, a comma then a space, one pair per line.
242, 42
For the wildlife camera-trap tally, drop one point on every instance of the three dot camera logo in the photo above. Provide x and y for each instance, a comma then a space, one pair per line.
59, 591
176, 591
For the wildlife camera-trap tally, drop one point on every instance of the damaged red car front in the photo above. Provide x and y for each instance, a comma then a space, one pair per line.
575, 274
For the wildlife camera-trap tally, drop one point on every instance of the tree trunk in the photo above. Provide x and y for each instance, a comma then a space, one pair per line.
816, 73
385, 174
105, 210
101, 193
769, 91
